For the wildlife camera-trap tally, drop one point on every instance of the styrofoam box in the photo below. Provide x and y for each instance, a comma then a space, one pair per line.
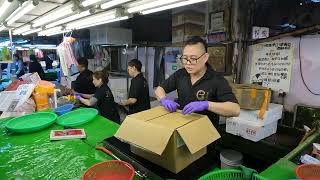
273, 114
253, 131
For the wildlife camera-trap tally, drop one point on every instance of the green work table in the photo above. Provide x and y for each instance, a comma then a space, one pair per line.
34, 156
285, 167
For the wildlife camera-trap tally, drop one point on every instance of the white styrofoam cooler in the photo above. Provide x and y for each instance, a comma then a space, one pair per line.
274, 113
250, 130
249, 126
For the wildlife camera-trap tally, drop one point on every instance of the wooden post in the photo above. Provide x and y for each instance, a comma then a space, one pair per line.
240, 26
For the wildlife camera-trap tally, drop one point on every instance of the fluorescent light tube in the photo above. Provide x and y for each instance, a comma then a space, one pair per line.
5, 5
56, 14
113, 3
22, 10
103, 22
32, 31
70, 18
150, 5
57, 32
21, 29
48, 31
104, 16
89, 2
2, 27
171, 6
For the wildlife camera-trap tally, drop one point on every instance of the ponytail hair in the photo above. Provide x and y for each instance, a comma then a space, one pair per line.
102, 74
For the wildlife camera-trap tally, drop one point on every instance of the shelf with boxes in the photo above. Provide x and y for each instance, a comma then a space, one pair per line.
186, 24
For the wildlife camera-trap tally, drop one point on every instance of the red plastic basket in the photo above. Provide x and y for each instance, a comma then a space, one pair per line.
113, 170
308, 171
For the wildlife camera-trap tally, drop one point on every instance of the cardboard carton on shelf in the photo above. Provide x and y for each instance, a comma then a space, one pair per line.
251, 96
170, 140
188, 16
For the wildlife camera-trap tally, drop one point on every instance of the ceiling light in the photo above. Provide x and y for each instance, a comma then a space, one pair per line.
56, 14
57, 32
5, 5
68, 19
149, 5
171, 6
93, 19
22, 10
2, 27
103, 22
89, 2
48, 31
32, 31
113, 3
21, 29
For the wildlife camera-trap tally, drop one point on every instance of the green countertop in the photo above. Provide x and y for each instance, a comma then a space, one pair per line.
34, 156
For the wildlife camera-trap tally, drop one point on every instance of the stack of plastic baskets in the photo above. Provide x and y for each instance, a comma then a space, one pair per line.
228, 174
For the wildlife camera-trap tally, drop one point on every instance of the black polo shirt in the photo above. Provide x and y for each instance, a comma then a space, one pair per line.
83, 84
106, 104
139, 90
211, 87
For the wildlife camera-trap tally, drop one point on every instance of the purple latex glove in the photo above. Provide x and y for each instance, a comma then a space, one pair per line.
77, 96
169, 104
195, 106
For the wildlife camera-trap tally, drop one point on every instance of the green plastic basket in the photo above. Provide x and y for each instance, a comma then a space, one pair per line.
31, 122
77, 117
228, 174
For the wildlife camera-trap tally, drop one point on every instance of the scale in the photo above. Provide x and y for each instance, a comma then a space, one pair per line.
198, 168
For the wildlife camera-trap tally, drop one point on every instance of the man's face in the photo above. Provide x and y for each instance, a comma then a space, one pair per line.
81, 67
194, 58
131, 70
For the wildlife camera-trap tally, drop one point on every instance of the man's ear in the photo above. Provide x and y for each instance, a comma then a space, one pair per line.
206, 57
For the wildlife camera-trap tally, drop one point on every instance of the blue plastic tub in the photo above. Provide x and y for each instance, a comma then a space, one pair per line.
64, 109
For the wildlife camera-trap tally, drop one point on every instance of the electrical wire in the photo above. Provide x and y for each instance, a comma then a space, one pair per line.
301, 73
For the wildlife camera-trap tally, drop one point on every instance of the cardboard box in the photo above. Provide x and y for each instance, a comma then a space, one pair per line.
250, 130
182, 32
217, 58
188, 16
33, 78
273, 114
251, 96
171, 140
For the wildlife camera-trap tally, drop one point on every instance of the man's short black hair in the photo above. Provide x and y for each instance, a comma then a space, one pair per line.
135, 63
83, 61
195, 40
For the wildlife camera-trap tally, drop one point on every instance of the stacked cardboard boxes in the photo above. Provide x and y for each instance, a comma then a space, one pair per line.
186, 24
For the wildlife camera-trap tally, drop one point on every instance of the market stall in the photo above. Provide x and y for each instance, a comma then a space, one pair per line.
151, 89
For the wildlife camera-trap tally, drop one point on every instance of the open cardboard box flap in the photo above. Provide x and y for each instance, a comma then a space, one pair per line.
152, 129
198, 134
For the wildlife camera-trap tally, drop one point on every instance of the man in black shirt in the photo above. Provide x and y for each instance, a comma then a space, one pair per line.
83, 84
35, 66
200, 89
138, 98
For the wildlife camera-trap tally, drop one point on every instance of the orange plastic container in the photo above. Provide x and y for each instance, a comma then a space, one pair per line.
42, 92
44, 87
41, 100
